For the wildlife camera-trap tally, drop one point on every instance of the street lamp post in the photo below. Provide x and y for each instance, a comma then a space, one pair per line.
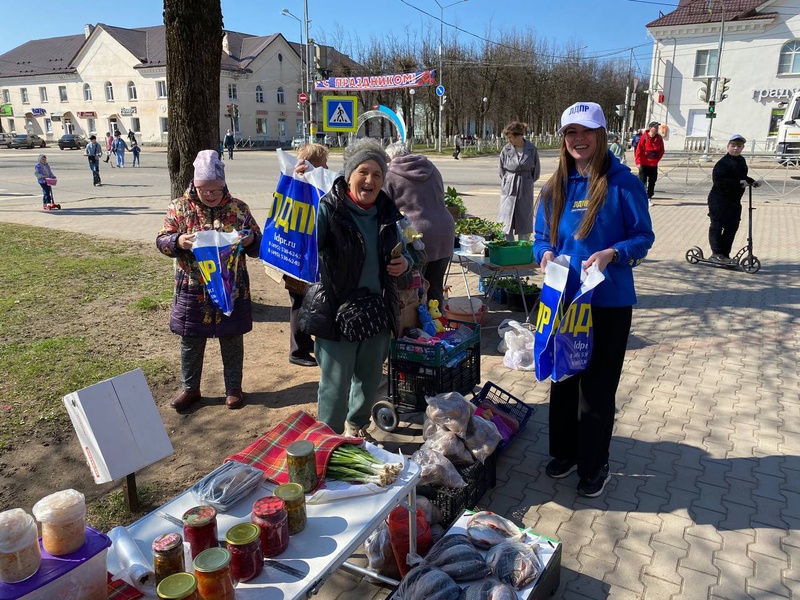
303, 72
707, 152
441, 78
411, 92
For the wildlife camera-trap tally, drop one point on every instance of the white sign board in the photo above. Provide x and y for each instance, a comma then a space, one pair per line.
118, 426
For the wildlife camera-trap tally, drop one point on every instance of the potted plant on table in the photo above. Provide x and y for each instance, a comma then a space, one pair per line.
511, 287
455, 205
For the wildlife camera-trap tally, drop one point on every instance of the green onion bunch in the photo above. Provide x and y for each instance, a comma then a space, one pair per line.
356, 465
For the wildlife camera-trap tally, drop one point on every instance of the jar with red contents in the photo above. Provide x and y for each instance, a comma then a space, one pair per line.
200, 529
272, 519
212, 569
247, 558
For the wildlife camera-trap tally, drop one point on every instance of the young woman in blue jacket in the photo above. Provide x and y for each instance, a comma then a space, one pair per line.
594, 210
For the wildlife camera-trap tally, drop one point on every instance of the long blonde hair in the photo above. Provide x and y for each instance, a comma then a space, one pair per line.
554, 192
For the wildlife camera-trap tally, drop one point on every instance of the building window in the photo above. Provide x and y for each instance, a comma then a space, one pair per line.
281, 97
48, 126
259, 94
42, 94
705, 63
23, 94
135, 125
62, 93
789, 61
298, 127
233, 94
261, 126
109, 91
11, 127
161, 88
6, 96
163, 124
87, 92
282, 129
131, 91
91, 125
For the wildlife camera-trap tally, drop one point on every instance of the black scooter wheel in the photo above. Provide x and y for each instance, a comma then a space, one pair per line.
694, 255
750, 264
385, 415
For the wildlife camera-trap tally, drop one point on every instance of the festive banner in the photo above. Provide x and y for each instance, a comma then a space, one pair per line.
289, 243
378, 82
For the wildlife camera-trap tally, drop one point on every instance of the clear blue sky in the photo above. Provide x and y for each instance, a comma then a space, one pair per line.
605, 27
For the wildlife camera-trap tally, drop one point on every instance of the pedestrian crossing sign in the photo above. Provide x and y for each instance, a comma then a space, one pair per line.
340, 113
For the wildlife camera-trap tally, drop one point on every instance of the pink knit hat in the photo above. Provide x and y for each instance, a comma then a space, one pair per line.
208, 167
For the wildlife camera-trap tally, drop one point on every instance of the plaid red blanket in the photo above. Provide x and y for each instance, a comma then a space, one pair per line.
268, 452
120, 590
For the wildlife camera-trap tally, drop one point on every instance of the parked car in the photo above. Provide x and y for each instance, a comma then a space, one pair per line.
298, 141
5, 140
27, 140
72, 140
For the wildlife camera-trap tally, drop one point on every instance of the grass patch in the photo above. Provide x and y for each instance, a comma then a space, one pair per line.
77, 310
111, 510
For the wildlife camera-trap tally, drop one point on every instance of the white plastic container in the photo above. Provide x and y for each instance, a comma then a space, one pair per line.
20, 556
472, 244
63, 519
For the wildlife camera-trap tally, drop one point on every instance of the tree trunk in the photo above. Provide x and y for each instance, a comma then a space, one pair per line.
193, 31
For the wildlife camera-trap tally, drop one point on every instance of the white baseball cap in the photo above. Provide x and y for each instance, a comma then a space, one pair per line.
588, 114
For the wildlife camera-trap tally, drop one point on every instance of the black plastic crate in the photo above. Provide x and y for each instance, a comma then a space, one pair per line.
452, 502
509, 404
410, 382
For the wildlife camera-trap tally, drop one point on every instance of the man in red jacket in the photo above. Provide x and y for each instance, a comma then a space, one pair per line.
648, 153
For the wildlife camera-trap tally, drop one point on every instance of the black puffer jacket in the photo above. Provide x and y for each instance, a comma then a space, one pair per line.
341, 261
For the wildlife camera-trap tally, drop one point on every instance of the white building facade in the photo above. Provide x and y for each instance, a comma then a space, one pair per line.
112, 78
758, 52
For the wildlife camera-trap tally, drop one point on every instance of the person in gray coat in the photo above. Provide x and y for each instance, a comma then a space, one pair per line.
518, 168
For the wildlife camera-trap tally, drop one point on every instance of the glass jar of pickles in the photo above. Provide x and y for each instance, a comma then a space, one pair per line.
292, 495
212, 569
168, 556
200, 528
247, 558
179, 586
270, 515
20, 555
302, 465
63, 518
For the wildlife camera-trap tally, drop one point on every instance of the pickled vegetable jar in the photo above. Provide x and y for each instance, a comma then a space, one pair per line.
168, 556
200, 528
179, 586
212, 568
270, 515
20, 555
63, 519
292, 495
247, 558
302, 464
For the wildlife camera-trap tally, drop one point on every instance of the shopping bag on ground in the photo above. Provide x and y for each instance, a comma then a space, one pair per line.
217, 255
550, 308
572, 347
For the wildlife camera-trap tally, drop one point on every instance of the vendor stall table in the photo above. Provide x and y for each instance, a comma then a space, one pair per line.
334, 531
486, 268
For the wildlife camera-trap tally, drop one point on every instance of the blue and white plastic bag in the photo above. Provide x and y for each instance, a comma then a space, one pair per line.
217, 255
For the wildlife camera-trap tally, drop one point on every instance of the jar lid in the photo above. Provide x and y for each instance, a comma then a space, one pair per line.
212, 560
176, 586
58, 507
199, 515
300, 448
268, 506
289, 491
242, 534
167, 542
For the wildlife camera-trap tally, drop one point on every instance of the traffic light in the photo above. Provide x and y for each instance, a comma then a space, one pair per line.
704, 93
712, 109
229, 113
723, 88
620, 110
235, 111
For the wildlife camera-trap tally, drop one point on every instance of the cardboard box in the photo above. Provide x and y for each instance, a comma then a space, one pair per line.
118, 426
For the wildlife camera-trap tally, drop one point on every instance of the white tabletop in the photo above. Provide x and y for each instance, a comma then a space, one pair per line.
334, 531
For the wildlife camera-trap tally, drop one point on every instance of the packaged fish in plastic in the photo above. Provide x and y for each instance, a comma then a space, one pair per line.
486, 529
426, 582
488, 589
515, 563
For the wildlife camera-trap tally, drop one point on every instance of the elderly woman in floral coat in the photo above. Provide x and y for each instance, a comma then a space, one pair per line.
208, 205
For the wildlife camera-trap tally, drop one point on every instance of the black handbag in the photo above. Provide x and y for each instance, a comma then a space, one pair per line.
363, 316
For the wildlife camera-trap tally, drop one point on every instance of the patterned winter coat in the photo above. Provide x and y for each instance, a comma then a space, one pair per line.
193, 312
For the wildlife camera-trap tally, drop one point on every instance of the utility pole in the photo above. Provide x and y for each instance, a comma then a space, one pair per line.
441, 73
707, 152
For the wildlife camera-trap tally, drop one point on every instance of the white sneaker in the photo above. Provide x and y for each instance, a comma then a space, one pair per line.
351, 430
650, 202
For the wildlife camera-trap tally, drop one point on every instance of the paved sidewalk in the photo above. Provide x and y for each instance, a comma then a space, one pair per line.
703, 502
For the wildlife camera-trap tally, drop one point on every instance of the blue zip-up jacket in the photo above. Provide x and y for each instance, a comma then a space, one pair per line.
622, 223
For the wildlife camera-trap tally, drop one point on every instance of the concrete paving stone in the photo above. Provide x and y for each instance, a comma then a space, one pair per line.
791, 509
627, 573
664, 565
734, 546
768, 513
714, 471
717, 446
626, 486
626, 430
768, 578
655, 484
700, 555
710, 499
639, 536
793, 586
659, 588
768, 542
649, 428
791, 441
604, 540
738, 517
770, 486
696, 584
733, 579
581, 521
768, 442
772, 464
585, 587
592, 566
740, 492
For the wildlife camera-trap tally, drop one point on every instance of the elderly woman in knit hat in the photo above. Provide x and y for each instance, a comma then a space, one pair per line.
205, 205
360, 256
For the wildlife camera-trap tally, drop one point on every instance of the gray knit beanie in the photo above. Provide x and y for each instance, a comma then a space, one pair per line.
361, 151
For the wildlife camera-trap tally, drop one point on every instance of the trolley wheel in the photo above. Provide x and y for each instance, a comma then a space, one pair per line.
694, 255
385, 415
750, 264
